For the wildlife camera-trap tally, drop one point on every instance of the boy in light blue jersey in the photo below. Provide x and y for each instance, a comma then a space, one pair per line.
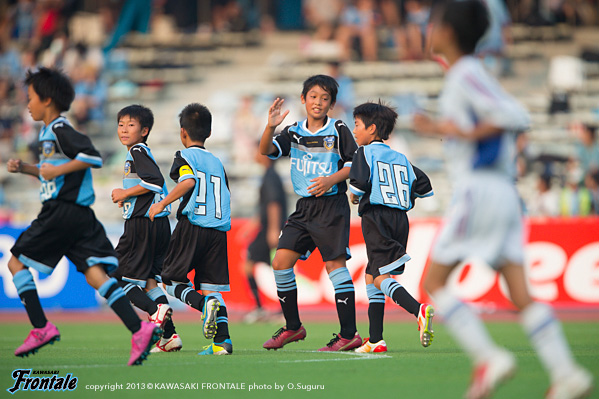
142, 247
321, 151
66, 225
385, 184
199, 242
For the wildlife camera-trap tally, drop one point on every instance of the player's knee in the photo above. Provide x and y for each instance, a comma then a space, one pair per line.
15, 265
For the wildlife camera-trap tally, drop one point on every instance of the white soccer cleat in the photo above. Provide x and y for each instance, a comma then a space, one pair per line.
488, 375
172, 344
369, 347
162, 315
578, 384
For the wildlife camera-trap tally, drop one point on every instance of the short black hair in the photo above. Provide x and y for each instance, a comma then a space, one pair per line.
197, 121
378, 114
53, 84
469, 20
327, 83
144, 116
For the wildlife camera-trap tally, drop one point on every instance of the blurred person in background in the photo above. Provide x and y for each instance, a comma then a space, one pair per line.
358, 24
412, 35
546, 200
575, 199
346, 98
271, 217
587, 146
322, 16
591, 182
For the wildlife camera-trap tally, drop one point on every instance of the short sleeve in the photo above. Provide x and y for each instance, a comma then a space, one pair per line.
347, 144
359, 174
76, 145
282, 142
181, 170
422, 186
490, 103
147, 170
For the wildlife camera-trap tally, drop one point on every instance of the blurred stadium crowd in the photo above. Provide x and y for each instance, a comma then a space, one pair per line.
236, 56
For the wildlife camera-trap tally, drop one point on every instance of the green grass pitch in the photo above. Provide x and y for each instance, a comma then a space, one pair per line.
96, 353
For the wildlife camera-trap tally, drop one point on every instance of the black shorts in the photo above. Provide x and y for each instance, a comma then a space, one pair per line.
321, 222
142, 248
385, 233
65, 229
200, 249
258, 250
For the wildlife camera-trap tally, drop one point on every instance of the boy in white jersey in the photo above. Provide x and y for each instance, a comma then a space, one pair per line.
321, 151
386, 185
142, 247
480, 120
199, 242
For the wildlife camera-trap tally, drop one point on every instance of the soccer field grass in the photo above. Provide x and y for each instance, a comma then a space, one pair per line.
97, 354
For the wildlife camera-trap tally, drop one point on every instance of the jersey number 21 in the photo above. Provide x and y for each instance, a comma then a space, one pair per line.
201, 197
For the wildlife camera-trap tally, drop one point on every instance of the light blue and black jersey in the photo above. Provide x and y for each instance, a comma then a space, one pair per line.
382, 176
141, 169
315, 154
60, 143
208, 204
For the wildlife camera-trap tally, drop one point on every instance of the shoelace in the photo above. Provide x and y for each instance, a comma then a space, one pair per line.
279, 332
333, 340
35, 335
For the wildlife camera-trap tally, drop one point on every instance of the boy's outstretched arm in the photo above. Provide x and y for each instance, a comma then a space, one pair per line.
18, 166
49, 171
424, 124
275, 118
179, 191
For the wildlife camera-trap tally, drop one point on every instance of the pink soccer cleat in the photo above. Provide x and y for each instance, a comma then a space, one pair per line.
37, 338
338, 343
142, 341
425, 324
284, 336
162, 315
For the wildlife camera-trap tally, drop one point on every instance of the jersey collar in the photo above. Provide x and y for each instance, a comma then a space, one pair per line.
305, 126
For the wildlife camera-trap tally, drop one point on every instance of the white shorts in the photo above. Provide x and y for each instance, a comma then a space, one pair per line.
484, 221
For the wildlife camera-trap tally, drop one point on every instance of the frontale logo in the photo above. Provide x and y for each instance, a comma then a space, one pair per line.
24, 381
329, 142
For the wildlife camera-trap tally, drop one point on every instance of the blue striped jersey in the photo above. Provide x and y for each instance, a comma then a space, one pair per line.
315, 154
60, 143
208, 204
141, 169
470, 96
382, 176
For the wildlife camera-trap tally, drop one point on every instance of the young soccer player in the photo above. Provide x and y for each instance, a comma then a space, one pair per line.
321, 151
385, 184
199, 242
272, 215
66, 224
479, 119
143, 244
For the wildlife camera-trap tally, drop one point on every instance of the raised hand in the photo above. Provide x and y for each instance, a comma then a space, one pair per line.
274, 113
